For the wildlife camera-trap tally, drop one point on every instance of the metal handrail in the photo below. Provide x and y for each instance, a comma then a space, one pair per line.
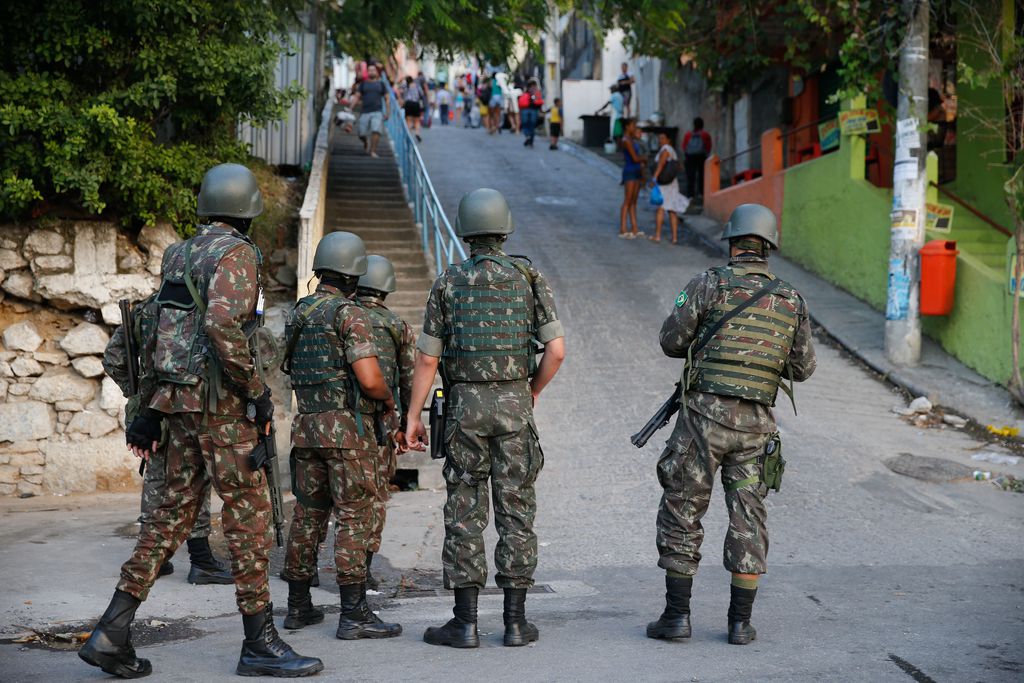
436, 232
977, 212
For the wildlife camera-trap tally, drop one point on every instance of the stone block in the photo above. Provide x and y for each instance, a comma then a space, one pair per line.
62, 385
9, 474
27, 380
25, 420
11, 260
22, 336
88, 366
112, 401
26, 367
96, 464
18, 390
8, 356
60, 262
33, 478
85, 339
95, 248
111, 314
20, 447
64, 416
44, 242
3, 390
21, 284
28, 470
155, 239
8, 489
27, 488
26, 459
286, 275
5, 369
52, 357
93, 424
83, 289
71, 406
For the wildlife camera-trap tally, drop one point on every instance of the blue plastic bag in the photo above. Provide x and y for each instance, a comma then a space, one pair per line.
656, 198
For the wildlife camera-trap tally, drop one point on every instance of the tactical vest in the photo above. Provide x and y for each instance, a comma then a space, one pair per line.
388, 340
315, 357
745, 358
182, 353
489, 335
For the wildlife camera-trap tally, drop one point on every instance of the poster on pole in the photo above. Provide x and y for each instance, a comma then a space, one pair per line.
828, 135
897, 303
904, 224
859, 122
939, 217
907, 134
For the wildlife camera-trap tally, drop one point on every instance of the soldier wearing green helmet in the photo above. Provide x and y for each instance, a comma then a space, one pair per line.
483, 320
332, 359
396, 347
742, 333
204, 410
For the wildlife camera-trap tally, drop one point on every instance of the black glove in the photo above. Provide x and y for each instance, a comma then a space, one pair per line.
143, 431
261, 410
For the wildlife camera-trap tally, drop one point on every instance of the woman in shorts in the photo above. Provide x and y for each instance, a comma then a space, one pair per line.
632, 177
412, 103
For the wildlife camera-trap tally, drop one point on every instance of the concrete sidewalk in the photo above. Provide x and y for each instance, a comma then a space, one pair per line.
860, 329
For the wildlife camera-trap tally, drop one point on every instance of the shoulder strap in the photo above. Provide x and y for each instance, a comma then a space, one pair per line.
759, 294
189, 283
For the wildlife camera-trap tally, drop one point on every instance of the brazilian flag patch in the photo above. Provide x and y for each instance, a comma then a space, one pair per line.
681, 299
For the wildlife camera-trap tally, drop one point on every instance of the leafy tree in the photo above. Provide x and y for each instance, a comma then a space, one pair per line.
117, 108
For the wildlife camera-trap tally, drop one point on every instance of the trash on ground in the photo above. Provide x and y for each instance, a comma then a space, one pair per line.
921, 404
1005, 431
1009, 483
982, 476
954, 420
995, 458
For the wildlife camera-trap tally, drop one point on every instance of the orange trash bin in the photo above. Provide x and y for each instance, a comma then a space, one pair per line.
938, 277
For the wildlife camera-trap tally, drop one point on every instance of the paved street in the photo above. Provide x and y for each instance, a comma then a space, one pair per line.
872, 576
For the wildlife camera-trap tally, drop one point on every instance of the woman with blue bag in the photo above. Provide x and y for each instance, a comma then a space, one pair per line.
665, 185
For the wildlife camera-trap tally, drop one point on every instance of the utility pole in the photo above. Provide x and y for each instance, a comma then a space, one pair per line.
552, 54
909, 186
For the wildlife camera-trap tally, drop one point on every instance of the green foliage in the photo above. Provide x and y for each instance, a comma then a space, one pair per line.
117, 108
478, 27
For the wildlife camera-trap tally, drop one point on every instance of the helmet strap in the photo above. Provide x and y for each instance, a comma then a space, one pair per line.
751, 244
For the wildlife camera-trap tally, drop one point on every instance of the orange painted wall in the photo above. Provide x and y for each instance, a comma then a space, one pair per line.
766, 190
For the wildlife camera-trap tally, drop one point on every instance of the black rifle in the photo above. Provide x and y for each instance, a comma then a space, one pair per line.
264, 457
438, 412
659, 420
132, 356
671, 406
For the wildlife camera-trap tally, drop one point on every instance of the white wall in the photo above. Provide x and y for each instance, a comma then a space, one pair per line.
580, 97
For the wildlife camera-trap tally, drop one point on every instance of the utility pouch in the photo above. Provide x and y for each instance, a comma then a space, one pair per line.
438, 415
773, 464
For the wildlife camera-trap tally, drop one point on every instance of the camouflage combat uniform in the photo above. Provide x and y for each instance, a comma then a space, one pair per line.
720, 429
481, 319
334, 446
396, 346
206, 377
115, 363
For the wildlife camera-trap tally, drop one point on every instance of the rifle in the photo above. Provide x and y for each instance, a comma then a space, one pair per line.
264, 457
659, 420
132, 355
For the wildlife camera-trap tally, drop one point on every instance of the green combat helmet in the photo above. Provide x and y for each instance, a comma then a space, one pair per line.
341, 252
483, 212
753, 220
379, 276
229, 190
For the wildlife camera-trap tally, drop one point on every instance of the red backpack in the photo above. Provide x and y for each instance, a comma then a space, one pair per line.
524, 100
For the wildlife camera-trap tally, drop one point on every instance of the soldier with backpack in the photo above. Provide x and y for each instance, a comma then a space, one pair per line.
211, 398
696, 148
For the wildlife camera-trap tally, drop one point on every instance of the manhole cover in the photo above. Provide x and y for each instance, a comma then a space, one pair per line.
935, 470
550, 200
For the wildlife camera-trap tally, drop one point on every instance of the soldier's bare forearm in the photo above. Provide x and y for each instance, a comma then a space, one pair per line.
550, 362
422, 380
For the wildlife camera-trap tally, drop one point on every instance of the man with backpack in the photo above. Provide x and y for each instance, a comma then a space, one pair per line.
696, 148
530, 103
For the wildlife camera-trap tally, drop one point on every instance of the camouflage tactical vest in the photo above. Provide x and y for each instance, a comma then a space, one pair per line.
746, 356
315, 357
388, 340
182, 351
489, 335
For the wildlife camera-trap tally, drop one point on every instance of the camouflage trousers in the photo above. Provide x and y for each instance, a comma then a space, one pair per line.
195, 450
154, 486
344, 480
687, 475
387, 463
490, 435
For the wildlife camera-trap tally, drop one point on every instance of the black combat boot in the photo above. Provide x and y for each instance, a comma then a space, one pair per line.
460, 631
165, 569
518, 631
371, 582
357, 620
741, 604
206, 568
674, 622
265, 654
110, 645
301, 611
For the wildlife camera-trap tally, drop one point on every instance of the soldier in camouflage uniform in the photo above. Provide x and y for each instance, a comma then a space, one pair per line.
205, 568
206, 380
481, 323
396, 346
339, 389
726, 419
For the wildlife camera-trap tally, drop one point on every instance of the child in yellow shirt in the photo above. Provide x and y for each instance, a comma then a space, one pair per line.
555, 123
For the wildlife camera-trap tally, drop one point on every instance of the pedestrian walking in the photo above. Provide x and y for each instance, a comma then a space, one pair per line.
205, 568
461, 108
376, 108
555, 123
208, 383
632, 178
742, 332
512, 106
625, 83
530, 104
666, 174
443, 98
412, 102
696, 148
340, 395
494, 104
396, 354
481, 321
616, 104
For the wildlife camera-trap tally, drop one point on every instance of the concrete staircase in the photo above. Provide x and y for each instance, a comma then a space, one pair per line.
365, 196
